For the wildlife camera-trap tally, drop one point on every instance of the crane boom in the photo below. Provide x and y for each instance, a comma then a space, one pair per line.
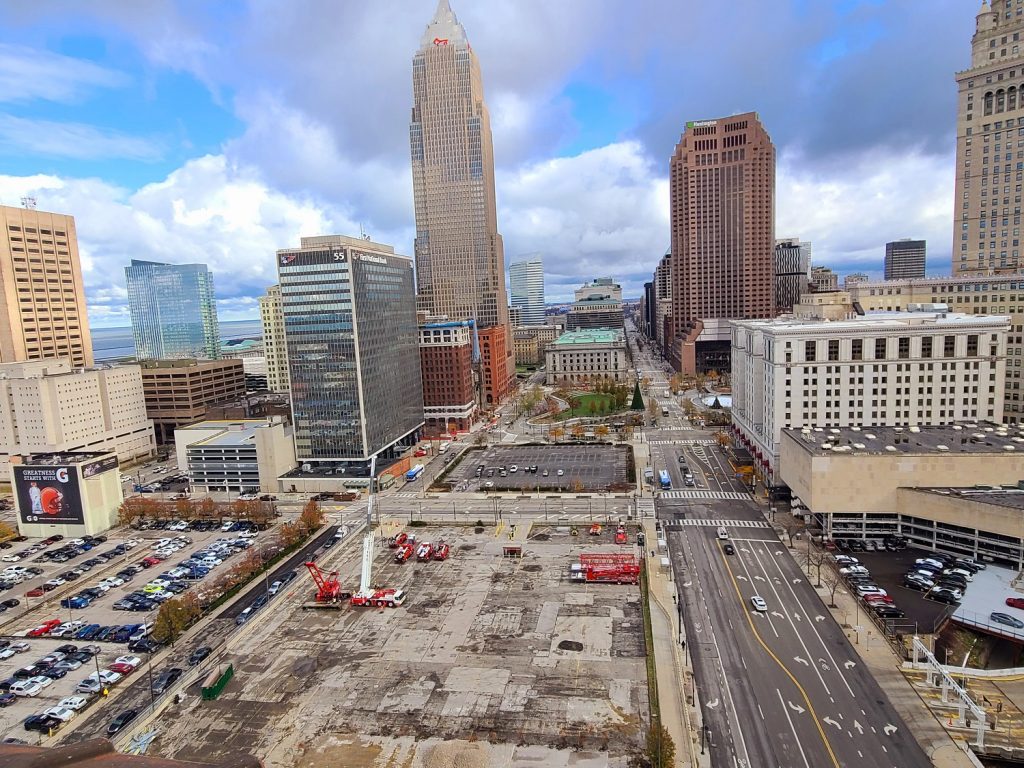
367, 572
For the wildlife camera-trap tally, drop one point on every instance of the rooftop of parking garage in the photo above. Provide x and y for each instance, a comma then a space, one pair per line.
971, 437
1011, 496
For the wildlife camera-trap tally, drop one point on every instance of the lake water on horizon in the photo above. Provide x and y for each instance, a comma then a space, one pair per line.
115, 343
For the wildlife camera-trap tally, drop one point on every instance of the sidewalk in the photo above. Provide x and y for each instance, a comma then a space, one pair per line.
675, 681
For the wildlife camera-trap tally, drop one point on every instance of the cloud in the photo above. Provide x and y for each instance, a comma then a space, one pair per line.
73, 140
30, 73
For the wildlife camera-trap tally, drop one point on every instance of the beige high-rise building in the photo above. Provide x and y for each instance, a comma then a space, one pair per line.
990, 144
460, 262
275, 350
48, 406
42, 314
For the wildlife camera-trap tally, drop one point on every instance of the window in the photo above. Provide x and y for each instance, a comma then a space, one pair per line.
949, 346
857, 351
879, 349
926, 346
809, 351
904, 347
972, 345
833, 349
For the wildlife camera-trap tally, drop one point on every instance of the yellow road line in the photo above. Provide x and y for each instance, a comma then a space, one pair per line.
783, 667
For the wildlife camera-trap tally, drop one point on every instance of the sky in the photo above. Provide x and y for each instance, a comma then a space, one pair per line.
190, 131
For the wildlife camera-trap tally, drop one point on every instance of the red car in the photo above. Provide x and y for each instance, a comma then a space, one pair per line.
150, 561
122, 668
35, 592
1015, 602
878, 599
44, 628
420, 452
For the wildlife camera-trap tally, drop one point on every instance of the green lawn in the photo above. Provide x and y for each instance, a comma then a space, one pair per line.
583, 407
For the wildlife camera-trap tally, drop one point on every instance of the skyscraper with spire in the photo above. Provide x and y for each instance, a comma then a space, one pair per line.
989, 127
460, 263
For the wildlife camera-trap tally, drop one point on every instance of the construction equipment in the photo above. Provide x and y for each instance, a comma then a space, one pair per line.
328, 587
595, 529
606, 568
367, 595
620, 535
425, 552
441, 551
403, 553
396, 541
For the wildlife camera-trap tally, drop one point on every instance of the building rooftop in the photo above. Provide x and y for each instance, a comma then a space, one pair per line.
189, 362
50, 459
972, 437
232, 432
590, 336
875, 321
1010, 496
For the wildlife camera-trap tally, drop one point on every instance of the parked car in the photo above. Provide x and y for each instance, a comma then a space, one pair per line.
42, 723
1015, 602
199, 654
166, 679
121, 721
1006, 620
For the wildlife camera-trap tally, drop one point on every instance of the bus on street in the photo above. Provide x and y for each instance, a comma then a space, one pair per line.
664, 480
413, 473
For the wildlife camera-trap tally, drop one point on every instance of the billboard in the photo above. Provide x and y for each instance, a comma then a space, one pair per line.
93, 468
48, 495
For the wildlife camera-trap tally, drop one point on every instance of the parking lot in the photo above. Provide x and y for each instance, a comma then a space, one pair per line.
490, 661
559, 468
88, 601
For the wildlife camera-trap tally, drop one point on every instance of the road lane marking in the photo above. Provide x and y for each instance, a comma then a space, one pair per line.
889, 729
784, 668
795, 734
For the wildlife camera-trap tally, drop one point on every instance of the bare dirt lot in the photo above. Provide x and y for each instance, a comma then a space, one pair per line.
491, 661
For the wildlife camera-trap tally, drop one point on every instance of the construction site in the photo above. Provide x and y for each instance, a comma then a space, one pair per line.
438, 647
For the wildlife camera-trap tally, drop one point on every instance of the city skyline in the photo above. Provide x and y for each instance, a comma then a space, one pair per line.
576, 141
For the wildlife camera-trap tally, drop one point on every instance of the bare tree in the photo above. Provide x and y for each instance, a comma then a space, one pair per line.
832, 580
813, 560
792, 526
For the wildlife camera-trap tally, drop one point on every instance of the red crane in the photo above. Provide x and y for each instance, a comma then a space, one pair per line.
328, 587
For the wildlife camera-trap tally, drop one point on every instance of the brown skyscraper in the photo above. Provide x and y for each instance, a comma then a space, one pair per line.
460, 263
723, 237
989, 129
42, 314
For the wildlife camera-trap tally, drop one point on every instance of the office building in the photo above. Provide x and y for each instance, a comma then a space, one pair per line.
951, 487
447, 352
663, 301
722, 208
823, 280
48, 406
827, 366
274, 348
646, 310
531, 341
905, 259
235, 456
179, 392
460, 262
792, 270
43, 313
526, 280
598, 304
990, 117
353, 349
581, 356
515, 316
990, 295
852, 279
174, 315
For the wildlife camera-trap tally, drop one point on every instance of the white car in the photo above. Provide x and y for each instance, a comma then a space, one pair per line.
77, 542
69, 664
158, 583
135, 661
758, 603
560, 472
11, 558
74, 703
26, 688
41, 680
102, 587
106, 676
248, 535
6, 653
64, 714
114, 581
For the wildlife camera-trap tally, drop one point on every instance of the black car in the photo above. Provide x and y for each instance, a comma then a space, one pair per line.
6, 699
199, 654
841, 545
145, 645
66, 648
166, 679
55, 673
729, 549
119, 722
888, 612
944, 597
42, 723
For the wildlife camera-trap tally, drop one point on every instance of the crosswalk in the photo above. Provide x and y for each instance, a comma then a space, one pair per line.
677, 525
407, 495
682, 442
715, 495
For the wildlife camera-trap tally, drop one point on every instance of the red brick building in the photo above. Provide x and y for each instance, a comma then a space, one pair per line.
495, 377
446, 364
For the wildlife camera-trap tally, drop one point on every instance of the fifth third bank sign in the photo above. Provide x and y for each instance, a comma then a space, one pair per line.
48, 495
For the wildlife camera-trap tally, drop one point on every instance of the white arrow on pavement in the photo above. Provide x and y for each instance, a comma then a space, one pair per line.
819, 618
850, 664
799, 710
744, 549
713, 704
741, 577
687, 583
798, 617
890, 729
830, 721
797, 581
779, 554
778, 615
802, 660
824, 664
858, 726
759, 578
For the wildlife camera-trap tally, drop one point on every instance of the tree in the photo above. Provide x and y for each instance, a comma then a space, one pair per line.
602, 430
831, 580
577, 431
661, 750
312, 516
592, 407
638, 399
814, 559
722, 437
7, 532
792, 526
174, 617
184, 509
207, 508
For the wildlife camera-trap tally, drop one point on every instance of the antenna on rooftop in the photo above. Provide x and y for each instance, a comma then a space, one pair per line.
28, 202
362, 232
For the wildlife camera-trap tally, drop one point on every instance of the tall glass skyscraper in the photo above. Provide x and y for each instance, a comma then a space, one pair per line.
349, 308
173, 311
526, 281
